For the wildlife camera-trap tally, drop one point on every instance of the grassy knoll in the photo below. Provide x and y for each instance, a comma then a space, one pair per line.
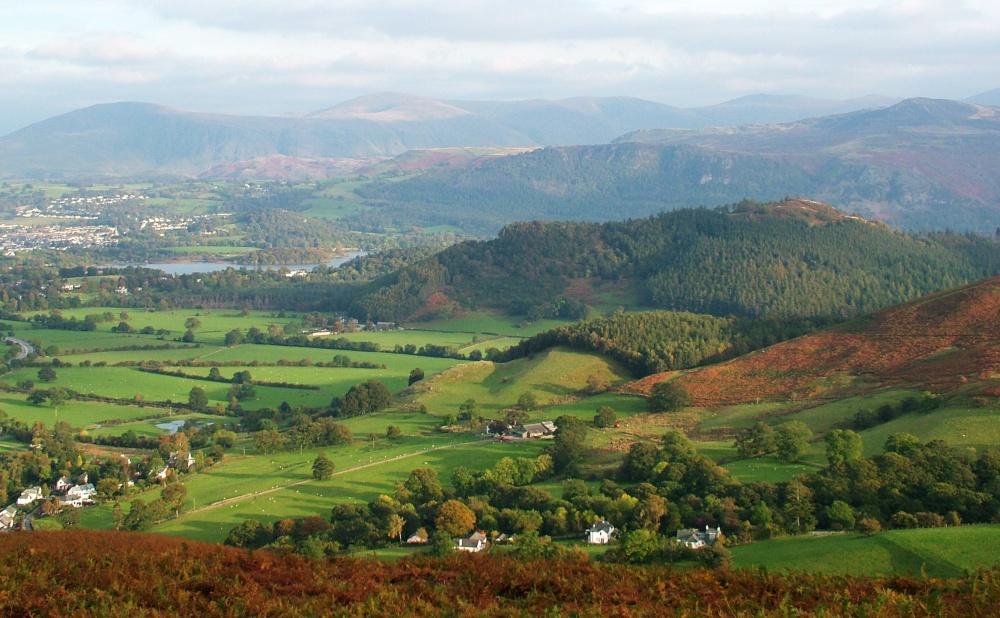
240, 476
552, 375
937, 552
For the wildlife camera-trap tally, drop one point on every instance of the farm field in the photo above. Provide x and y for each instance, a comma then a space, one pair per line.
389, 339
936, 552
79, 414
394, 463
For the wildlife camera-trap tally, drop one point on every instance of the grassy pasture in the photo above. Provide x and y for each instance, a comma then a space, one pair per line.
960, 426
82, 340
273, 354
76, 413
938, 552
239, 476
765, 469
165, 356
389, 339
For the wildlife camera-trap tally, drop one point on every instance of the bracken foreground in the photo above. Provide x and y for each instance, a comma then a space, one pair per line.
84, 573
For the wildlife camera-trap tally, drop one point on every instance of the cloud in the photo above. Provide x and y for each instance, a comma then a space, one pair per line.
246, 56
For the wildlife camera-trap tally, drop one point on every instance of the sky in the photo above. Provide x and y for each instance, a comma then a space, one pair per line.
277, 57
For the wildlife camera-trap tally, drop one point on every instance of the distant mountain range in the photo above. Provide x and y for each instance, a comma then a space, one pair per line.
919, 164
135, 139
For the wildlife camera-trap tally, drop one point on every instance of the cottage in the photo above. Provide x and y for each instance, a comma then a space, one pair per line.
29, 495
63, 483
7, 517
600, 533
696, 539
470, 545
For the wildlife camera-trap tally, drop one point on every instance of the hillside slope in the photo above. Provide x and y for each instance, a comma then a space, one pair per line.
946, 342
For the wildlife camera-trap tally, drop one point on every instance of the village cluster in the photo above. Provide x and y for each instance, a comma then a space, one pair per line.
14, 238
75, 493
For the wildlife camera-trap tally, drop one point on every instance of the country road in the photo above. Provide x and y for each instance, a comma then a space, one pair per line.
26, 348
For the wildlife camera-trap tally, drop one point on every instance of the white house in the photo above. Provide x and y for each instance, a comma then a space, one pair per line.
84, 493
29, 495
470, 545
600, 533
696, 539
63, 483
475, 542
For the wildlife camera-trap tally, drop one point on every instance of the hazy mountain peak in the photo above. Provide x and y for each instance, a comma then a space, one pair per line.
388, 107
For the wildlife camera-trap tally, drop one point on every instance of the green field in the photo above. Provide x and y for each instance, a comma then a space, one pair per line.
960, 426
77, 413
393, 463
936, 552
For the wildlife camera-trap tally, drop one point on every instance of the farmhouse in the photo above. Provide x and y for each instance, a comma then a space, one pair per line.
29, 495
544, 429
63, 483
600, 533
696, 539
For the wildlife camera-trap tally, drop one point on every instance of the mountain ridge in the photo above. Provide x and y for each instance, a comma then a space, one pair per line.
132, 139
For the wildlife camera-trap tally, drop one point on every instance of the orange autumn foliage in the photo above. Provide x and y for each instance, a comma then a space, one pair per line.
84, 573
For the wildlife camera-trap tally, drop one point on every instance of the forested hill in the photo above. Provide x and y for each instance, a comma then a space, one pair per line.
796, 258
